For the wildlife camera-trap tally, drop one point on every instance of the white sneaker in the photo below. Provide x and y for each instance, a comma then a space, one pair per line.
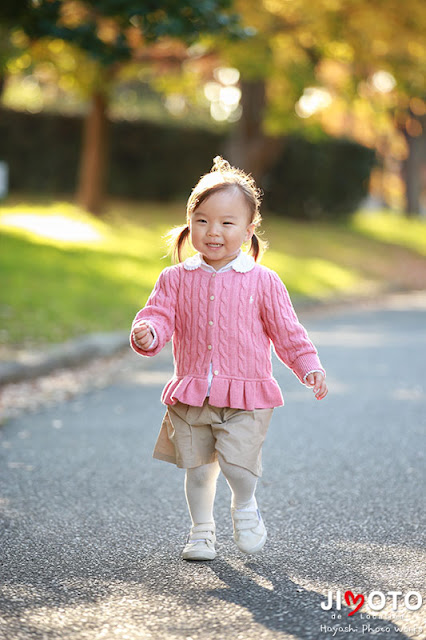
200, 543
249, 530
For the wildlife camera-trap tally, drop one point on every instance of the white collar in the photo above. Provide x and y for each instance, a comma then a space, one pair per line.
242, 263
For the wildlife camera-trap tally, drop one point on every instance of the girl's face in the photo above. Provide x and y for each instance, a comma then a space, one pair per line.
220, 225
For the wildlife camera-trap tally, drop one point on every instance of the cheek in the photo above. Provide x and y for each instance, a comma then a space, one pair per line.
195, 235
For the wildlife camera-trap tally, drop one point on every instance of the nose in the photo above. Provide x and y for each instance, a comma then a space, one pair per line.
212, 231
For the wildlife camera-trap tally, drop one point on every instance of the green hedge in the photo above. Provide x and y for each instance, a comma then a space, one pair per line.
146, 160
158, 162
151, 161
318, 180
42, 151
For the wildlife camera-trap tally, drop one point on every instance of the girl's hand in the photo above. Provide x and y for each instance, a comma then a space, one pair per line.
317, 381
142, 335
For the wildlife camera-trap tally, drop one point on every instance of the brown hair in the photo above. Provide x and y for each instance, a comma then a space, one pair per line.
222, 176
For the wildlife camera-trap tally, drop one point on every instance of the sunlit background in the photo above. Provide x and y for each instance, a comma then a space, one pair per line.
103, 137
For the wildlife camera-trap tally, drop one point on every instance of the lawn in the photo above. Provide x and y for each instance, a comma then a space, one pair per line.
65, 272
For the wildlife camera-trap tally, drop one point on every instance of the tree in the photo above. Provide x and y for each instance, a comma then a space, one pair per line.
325, 66
112, 32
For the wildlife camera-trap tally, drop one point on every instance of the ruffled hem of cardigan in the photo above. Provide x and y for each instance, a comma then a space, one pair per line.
224, 392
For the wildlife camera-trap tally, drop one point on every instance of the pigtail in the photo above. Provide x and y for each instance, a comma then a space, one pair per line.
257, 246
176, 240
254, 247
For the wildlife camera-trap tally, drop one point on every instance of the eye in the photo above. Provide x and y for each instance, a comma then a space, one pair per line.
200, 220
228, 223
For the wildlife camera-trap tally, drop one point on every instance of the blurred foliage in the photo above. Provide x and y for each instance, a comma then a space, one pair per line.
328, 178
346, 68
110, 31
12, 11
80, 46
53, 69
341, 68
338, 45
58, 78
349, 68
11, 15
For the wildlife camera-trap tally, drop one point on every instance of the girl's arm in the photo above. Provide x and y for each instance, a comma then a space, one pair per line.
290, 339
158, 314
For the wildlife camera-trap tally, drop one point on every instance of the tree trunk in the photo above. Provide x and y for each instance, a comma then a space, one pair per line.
91, 185
249, 148
412, 169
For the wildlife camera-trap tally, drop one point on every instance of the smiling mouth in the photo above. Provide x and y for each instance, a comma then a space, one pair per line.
214, 244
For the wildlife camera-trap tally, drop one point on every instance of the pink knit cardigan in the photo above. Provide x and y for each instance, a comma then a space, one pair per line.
227, 320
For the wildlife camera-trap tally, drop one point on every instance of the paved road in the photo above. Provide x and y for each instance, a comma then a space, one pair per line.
92, 527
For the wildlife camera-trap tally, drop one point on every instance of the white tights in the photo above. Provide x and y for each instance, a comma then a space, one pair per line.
200, 488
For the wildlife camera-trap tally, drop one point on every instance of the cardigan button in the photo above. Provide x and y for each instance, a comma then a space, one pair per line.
211, 297
209, 347
216, 372
210, 322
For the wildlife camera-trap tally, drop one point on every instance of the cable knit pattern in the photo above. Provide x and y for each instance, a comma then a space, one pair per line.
225, 317
243, 321
249, 311
200, 320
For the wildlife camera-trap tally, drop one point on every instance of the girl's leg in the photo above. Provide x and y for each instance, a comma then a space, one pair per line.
242, 483
200, 491
249, 529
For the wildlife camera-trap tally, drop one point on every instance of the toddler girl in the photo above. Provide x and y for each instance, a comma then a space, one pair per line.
222, 310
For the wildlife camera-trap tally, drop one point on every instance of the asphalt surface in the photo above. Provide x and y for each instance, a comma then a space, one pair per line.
92, 527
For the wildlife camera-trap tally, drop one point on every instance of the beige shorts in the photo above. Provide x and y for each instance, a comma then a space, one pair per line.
192, 436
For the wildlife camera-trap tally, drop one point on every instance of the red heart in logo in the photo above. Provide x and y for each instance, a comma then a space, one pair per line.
348, 596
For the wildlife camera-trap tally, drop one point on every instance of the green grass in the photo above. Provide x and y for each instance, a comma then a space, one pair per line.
65, 273
393, 228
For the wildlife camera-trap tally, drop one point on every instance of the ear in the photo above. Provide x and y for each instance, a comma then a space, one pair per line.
250, 231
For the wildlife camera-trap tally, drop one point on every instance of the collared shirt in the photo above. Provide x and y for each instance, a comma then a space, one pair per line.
242, 263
